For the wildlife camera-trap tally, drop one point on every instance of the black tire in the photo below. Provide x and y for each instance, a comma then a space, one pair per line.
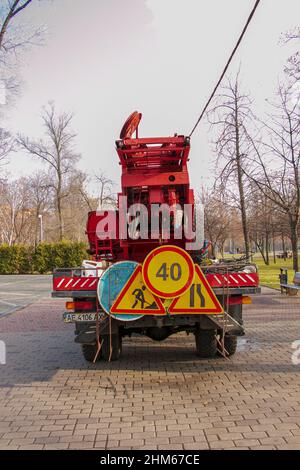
116, 344
89, 352
206, 343
230, 344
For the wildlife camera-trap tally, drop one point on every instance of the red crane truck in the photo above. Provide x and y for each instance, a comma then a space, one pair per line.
153, 282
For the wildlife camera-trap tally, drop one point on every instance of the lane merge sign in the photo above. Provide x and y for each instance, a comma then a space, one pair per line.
199, 298
135, 298
168, 271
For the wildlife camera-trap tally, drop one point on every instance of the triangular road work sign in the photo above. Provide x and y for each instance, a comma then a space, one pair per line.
136, 298
199, 298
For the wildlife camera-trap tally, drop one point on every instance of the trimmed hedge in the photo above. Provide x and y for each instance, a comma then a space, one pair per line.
23, 259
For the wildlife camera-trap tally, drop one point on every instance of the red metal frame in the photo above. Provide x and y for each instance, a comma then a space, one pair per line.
154, 170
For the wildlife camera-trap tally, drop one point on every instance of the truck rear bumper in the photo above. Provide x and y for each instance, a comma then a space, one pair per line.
219, 291
75, 294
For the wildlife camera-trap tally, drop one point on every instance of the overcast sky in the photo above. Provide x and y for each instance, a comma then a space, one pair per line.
160, 57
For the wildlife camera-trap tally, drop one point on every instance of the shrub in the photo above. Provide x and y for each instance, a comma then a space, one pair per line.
23, 259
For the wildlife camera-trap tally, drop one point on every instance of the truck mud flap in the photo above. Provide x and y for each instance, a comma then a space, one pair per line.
87, 336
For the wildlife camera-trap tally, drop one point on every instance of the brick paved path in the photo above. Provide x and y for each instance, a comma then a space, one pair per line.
159, 395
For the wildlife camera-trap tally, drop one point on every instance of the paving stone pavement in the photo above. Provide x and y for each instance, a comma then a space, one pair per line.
158, 395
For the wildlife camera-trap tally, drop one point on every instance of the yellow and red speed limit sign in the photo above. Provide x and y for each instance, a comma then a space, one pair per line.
168, 271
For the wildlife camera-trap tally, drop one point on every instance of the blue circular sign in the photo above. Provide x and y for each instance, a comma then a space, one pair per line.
110, 285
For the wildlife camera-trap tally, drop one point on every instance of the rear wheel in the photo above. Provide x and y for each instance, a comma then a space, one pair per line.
206, 343
89, 352
230, 344
111, 347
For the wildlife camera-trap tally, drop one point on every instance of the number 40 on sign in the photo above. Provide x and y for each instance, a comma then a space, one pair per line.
168, 271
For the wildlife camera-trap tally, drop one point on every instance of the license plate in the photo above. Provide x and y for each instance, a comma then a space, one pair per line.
79, 317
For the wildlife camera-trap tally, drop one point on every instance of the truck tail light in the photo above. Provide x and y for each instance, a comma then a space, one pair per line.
70, 305
80, 305
239, 299
235, 300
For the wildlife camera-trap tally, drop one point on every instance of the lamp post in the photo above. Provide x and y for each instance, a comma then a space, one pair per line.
41, 228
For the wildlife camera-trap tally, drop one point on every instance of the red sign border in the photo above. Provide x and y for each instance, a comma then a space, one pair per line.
173, 310
175, 249
160, 311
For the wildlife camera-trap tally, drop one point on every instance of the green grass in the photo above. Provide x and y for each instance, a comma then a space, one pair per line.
268, 275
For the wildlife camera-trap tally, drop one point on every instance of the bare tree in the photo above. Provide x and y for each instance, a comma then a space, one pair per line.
15, 213
263, 219
79, 186
15, 37
276, 160
6, 145
9, 40
105, 190
293, 65
230, 118
76, 205
217, 220
40, 196
57, 151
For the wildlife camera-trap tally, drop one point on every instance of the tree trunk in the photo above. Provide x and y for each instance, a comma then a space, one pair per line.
37, 226
294, 241
60, 220
267, 249
213, 250
243, 214
59, 209
222, 249
282, 242
4, 28
261, 249
240, 182
36, 235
